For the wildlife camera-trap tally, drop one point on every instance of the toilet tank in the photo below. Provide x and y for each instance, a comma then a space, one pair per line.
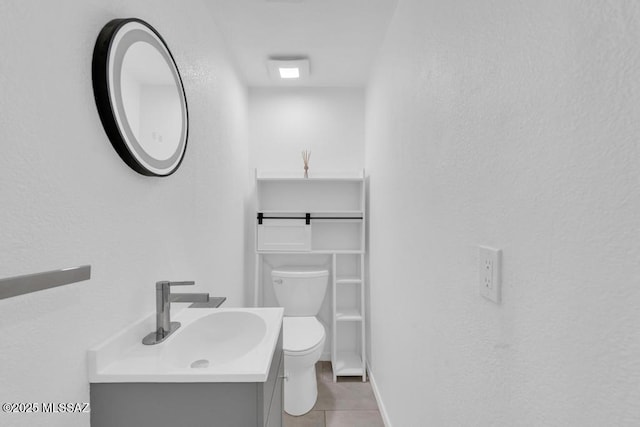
300, 289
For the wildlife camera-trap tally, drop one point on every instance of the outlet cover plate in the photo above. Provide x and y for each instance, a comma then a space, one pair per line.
489, 273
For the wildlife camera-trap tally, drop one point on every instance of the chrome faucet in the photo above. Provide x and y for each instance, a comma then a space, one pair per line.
164, 298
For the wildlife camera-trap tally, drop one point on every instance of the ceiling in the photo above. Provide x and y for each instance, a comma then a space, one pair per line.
340, 37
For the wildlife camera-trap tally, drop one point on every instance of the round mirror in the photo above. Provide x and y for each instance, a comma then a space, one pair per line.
140, 97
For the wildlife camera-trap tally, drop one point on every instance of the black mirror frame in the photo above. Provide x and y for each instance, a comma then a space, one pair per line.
101, 90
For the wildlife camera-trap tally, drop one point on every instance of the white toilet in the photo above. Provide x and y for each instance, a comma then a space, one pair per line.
300, 290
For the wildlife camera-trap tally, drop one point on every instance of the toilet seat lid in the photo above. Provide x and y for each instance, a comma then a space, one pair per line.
301, 333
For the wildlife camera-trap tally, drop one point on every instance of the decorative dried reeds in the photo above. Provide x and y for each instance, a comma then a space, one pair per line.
306, 155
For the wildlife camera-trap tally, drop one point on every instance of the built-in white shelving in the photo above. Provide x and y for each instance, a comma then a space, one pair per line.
348, 314
347, 279
348, 351
321, 215
268, 175
348, 364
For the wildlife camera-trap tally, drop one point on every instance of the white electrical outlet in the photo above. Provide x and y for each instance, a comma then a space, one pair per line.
489, 266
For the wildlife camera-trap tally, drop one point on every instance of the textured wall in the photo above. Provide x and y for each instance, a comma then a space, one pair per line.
68, 199
512, 124
285, 121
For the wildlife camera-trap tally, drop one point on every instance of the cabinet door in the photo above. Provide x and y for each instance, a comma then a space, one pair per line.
284, 235
275, 411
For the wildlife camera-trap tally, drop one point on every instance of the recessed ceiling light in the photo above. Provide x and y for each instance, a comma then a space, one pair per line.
288, 68
289, 72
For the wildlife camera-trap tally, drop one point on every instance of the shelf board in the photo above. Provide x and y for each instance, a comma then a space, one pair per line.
345, 280
338, 251
348, 364
348, 315
312, 252
313, 176
335, 220
310, 179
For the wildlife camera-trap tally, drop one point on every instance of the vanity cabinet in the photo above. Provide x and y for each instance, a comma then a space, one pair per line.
194, 404
323, 215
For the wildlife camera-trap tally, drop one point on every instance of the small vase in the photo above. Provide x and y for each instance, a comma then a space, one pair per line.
306, 171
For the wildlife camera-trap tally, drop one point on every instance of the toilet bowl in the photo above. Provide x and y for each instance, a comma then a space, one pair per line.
303, 342
301, 290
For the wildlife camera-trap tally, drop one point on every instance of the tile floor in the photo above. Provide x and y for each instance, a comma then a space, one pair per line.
346, 403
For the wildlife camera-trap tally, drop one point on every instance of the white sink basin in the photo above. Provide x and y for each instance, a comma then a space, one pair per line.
212, 345
217, 338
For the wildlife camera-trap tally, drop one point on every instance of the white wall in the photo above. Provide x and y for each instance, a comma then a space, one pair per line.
68, 199
514, 125
327, 121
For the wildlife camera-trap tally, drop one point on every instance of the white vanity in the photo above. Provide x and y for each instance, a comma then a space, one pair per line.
223, 367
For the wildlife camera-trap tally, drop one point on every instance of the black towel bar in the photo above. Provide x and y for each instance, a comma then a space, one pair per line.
307, 218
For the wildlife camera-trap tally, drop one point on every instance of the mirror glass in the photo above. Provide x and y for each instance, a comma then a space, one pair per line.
140, 97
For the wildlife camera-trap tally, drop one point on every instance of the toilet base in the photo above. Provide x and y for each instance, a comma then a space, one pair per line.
300, 390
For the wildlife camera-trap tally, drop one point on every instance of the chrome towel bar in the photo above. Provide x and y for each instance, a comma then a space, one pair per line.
20, 285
